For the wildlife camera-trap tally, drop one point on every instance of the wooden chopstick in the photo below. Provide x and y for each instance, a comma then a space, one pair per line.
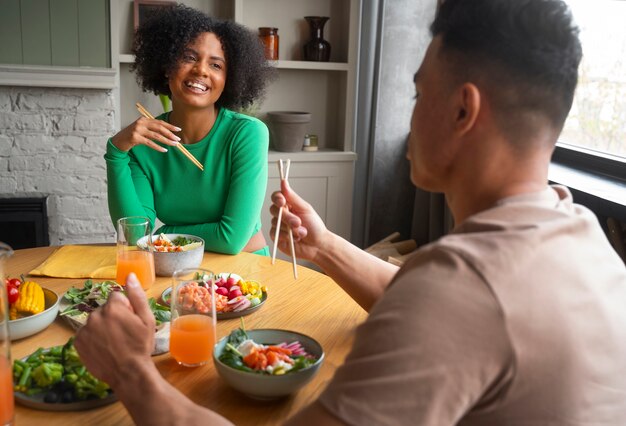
291, 243
280, 216
180, 146
284, 175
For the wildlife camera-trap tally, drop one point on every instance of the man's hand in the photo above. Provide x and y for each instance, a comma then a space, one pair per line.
308, 229
363, 276
118, 335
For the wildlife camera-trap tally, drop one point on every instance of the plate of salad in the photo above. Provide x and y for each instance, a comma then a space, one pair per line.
235, 297
77, 303
55, 379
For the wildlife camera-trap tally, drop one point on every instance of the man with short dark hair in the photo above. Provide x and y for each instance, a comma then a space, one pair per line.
518, 316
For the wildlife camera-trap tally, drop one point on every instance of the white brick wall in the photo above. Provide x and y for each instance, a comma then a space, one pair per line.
52, 143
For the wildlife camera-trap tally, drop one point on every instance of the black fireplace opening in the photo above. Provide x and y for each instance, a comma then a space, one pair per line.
24, 222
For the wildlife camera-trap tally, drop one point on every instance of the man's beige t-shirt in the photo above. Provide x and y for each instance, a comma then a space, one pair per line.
516, 318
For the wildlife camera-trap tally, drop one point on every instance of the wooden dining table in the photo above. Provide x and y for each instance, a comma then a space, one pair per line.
313, 304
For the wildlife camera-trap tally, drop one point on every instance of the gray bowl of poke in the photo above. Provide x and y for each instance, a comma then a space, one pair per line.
267, 363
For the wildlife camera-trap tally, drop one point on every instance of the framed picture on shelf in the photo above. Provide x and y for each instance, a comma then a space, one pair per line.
143, 9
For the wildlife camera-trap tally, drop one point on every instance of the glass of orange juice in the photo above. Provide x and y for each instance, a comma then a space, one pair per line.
6, 372
130, 257
192, 330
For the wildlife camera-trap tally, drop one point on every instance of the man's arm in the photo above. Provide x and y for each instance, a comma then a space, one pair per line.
128, 323
151, 400
363, 276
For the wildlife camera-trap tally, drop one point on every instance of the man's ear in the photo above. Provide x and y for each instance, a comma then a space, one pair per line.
468, 107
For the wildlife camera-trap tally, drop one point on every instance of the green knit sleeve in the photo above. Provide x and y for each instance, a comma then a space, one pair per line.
129, 191
248, 181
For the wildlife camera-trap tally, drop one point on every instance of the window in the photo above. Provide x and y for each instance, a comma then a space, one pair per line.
597, 121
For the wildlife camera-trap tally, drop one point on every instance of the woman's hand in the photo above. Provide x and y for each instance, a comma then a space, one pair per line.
143, 131
308, 229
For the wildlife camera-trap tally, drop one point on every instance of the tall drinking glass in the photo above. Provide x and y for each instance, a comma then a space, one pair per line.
6, 376
192, 331
131, 258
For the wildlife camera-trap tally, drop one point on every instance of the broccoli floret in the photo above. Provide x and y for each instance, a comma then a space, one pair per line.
71, 359
83, 382
87, 385
47, 374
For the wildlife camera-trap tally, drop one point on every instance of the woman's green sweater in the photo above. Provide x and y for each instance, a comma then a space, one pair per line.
222, 204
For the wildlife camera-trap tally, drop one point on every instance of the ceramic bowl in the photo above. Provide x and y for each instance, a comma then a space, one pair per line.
27, 326
266, 387
165, 263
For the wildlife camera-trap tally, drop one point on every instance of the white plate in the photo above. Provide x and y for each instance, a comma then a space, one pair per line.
161, 337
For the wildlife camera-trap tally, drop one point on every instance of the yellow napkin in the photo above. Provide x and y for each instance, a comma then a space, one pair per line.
80, 262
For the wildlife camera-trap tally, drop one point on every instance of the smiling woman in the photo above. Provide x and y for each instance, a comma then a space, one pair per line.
209, 69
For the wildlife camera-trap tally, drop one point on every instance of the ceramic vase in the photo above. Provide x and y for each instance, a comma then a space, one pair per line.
317, 49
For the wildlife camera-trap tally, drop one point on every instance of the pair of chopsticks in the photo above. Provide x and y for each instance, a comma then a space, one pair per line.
180, 146
284, 175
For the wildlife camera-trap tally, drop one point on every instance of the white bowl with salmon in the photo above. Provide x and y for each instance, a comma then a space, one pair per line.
174, 251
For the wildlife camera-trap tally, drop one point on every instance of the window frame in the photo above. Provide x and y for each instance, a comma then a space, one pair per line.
591, 161
596, 180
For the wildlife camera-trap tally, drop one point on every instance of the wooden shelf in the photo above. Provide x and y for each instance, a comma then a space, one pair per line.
309, 65
280, 64
126, 58
314, 156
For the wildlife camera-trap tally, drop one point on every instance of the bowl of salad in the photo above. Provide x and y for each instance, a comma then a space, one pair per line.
174, 251
267, 363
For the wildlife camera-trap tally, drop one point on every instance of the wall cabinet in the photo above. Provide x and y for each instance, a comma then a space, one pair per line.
62, 43
325, 89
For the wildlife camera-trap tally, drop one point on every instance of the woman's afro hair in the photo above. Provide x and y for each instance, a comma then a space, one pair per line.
160, 41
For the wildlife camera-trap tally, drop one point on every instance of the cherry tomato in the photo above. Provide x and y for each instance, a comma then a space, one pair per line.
13, 293
15, 282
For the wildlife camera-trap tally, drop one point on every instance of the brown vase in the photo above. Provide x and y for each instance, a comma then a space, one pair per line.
317, 49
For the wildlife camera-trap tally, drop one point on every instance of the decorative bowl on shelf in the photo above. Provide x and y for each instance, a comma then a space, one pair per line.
267, 386
287, 129
27, 326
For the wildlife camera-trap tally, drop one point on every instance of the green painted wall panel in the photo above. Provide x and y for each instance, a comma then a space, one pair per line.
64, 32
93, 32
10, 33
55, 32
36, 32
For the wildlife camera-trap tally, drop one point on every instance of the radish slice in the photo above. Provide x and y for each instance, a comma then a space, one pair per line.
245, 304
236, 300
